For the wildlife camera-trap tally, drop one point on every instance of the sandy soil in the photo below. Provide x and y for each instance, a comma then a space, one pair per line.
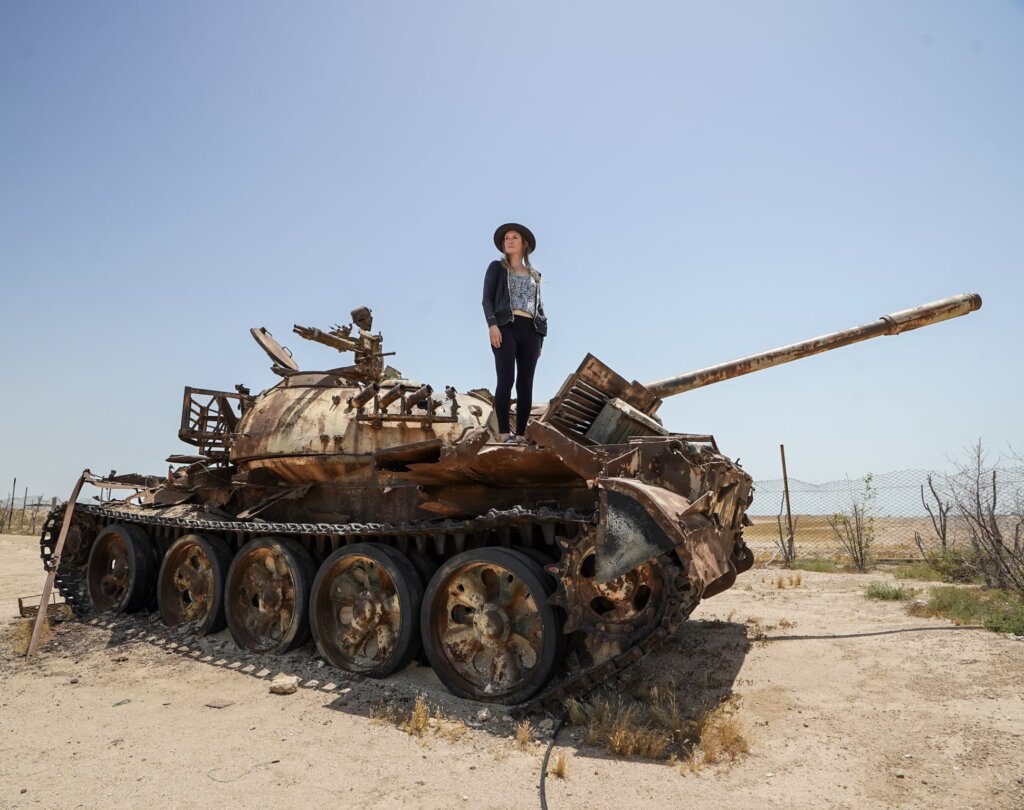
847, 703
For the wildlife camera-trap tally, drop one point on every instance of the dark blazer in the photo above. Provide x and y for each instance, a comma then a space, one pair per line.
497, 300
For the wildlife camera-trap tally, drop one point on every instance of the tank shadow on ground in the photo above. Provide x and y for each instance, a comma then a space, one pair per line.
699, 664
219, 650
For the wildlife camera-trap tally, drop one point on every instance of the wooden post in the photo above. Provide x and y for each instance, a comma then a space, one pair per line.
44, 600
24, 506
789, 512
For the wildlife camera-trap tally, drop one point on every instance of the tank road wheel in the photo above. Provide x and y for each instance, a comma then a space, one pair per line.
487, 627
365, 609
611, 615
266, 596
121, 569
190, 587
546, 561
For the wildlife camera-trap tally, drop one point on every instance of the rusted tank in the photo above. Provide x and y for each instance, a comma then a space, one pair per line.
380, 517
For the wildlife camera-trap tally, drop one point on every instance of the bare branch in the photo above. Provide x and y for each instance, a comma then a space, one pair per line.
975, 490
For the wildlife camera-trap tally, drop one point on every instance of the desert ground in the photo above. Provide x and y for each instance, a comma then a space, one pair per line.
845, 702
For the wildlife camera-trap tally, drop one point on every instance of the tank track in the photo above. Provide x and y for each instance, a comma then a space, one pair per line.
69, 582
681, 599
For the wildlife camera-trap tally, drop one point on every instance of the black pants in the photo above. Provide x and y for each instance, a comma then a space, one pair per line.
516, 360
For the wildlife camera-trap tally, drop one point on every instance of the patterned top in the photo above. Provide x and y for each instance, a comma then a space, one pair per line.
523, 292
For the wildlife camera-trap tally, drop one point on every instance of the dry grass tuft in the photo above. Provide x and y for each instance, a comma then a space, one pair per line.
656, 721
721, 739
638, 740
524, 733
561, 766
447, 727
643, 729
722, 736
780, 583
385, 713
574, 709
417, 722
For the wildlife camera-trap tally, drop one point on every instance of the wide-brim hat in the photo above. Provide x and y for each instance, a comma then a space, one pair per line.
522, 230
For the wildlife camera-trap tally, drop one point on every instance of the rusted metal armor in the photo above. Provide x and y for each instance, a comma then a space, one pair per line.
364, 509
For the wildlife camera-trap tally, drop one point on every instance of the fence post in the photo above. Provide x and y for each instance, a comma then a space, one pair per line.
9, 512
789, 512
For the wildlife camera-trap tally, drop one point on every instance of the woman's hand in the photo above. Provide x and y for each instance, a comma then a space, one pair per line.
495, 335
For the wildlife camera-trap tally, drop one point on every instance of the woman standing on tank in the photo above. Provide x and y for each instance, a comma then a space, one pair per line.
516, 323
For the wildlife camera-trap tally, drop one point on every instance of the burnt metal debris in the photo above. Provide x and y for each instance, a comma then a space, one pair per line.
366, 510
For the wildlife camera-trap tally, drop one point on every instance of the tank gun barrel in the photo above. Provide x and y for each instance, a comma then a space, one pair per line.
894, 324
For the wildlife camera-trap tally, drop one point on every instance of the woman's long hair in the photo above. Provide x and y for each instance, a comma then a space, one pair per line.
506, 262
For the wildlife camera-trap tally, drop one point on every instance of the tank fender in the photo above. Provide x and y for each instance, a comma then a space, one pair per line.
639, 521
723, 583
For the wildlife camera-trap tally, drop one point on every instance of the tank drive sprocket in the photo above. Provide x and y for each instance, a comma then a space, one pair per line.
613, 616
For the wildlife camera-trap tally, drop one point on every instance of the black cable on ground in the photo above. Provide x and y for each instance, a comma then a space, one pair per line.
547, 756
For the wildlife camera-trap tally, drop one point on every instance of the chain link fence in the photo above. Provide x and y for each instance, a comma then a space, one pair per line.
23, 514
896, 513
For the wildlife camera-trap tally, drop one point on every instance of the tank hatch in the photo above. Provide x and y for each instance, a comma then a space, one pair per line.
284, 363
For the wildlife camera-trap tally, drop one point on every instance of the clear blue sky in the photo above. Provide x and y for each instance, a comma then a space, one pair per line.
705, 181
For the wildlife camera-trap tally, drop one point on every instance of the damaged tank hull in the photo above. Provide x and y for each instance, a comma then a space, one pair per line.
356, 507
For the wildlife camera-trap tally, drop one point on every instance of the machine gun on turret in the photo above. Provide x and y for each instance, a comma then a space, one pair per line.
369, 365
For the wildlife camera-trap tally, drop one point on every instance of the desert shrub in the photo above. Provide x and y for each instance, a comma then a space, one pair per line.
821, 566
920, 570
1000, 611
855, 528
956, 565
889, 592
